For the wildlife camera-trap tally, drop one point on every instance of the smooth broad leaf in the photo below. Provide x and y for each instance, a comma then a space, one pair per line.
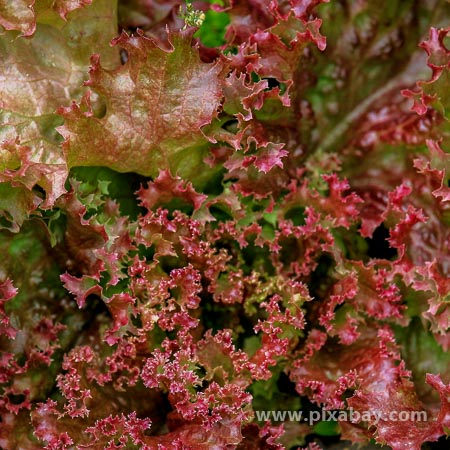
156, 106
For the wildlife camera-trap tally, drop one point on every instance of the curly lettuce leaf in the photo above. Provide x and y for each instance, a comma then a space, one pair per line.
35, 82
287, 210
156, 105
22, 15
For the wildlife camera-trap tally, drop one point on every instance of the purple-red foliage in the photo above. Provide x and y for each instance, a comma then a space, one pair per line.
191, 234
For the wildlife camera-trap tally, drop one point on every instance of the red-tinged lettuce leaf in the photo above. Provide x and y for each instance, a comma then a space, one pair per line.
82, 237
18, 15
437, 169
372, 370
7, 292
151, 16
364, 291
42, 307
409, 199
82, 287
155, 17
248, 19
336, 205
298, 248
156, 106
282, 47
406, 434
26, 91
166, 188
120, 306
95, 247
242, 95
433, 92
100, 402
273, 55
405, 202
257, 95
45, 324
371, 55
422, 354
279, 335
15, 206
268, 157
16, 432
266, 437
35, 82
95, 237
227, 288
118, 431
21, 15
437, 288
42, 167
211, 417
195, 436
64, 7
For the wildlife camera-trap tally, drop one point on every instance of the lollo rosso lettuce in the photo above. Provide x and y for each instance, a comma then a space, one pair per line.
214, 210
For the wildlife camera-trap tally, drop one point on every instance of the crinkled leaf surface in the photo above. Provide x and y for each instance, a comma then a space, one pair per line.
39, 75
260, 225
371, 54
21, 15
156, 106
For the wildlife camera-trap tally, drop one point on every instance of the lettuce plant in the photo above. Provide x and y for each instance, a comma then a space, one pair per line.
214, 209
